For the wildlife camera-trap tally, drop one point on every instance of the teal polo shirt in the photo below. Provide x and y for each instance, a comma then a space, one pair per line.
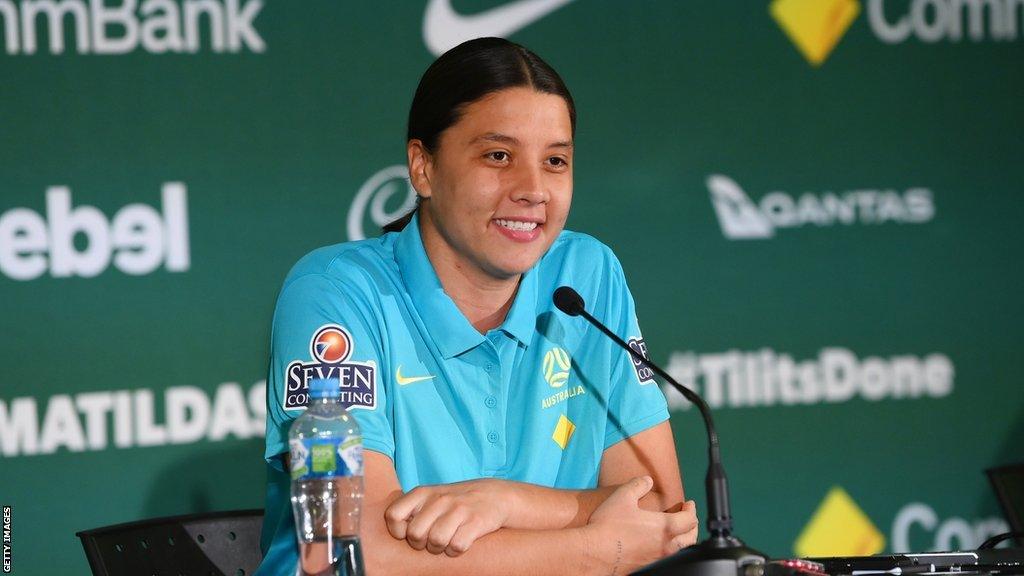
538, 399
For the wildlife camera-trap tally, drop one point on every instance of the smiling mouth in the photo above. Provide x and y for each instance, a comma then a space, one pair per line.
516, 225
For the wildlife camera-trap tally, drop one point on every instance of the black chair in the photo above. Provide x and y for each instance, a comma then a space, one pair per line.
1008, 484
214, 544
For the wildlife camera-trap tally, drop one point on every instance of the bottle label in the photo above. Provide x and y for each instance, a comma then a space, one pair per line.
326, 458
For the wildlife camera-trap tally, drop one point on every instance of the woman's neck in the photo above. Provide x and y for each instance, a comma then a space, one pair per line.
482, 299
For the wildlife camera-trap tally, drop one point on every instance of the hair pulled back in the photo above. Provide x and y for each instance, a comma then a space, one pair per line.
467, 73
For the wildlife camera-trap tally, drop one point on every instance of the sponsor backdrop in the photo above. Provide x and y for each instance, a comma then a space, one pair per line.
817, 204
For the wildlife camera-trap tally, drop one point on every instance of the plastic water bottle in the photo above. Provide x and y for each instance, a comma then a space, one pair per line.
326, 461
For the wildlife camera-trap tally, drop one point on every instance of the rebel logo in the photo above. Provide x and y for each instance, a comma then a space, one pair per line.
331, 347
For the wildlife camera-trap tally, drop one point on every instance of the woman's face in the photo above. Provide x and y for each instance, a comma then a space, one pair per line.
499, 184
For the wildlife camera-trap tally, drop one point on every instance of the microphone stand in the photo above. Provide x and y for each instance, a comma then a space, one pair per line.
721, 554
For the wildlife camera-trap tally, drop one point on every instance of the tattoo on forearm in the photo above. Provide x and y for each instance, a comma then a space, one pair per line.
618, 557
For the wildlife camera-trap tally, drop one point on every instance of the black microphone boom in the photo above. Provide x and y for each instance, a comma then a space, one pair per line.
722, 554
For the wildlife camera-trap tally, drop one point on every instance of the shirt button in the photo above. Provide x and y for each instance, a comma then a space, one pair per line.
492, 437
491, 401
489, 367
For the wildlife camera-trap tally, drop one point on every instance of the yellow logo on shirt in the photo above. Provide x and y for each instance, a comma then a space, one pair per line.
403, 380
556, 367
563, 431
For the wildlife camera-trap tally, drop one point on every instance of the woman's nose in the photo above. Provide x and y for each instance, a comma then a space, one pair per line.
529, 185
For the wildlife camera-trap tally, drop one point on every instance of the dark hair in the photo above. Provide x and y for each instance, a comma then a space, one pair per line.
466, 74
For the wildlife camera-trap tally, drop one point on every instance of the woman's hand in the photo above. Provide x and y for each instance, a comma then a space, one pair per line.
626, 537
448, 518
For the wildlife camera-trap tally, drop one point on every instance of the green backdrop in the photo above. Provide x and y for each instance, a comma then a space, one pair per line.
817, 203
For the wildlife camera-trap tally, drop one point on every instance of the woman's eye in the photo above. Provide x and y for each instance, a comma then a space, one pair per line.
557, 161
498, 156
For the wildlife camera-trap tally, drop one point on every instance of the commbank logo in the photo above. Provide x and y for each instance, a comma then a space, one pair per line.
445, 28
814, 26
155, 26
839, 528
742, 219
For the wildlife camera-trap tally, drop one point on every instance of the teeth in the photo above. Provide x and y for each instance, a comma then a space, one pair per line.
518, 226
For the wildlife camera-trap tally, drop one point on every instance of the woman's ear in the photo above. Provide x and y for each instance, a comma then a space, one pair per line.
420, 167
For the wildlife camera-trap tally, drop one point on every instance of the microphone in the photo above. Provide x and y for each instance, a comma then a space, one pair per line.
722, 554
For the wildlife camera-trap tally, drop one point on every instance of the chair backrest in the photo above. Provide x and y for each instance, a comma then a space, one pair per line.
214, 544
1008, 483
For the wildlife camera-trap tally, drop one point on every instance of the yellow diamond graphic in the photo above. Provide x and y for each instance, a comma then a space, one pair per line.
563, 431
839, 528
815, 26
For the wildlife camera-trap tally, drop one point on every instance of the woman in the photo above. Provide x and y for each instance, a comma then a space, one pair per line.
501, 436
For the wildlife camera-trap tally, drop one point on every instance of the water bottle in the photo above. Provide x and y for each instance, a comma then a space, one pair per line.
326, 461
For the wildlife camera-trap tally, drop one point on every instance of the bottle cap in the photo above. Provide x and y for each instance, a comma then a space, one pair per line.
324, 388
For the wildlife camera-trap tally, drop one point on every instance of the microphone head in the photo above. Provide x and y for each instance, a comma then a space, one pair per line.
568, 300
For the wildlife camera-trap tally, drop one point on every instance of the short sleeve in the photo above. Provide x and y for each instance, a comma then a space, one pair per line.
635, 401
324, 329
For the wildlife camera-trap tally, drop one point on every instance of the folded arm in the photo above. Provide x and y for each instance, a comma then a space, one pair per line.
477, 507
620, 537
488, 522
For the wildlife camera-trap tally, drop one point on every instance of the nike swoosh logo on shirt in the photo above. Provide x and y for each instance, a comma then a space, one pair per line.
402, 380
444, 28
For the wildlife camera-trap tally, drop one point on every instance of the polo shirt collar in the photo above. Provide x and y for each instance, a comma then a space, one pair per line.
521, 320
448, 327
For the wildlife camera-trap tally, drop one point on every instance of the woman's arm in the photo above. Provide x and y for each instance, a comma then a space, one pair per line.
619, 537
449, 517
653, 453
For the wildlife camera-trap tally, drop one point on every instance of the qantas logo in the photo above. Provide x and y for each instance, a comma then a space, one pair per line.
444, 28
743, 219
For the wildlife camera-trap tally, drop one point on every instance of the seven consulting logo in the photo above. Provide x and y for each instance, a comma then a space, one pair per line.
331, 347
816, 26
643, 372
331, 344
741, 219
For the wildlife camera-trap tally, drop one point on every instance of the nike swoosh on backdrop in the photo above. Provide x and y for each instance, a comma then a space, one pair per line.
444, 28
402, 380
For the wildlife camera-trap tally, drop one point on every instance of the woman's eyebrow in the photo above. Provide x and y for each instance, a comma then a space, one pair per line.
506, 139
495, 137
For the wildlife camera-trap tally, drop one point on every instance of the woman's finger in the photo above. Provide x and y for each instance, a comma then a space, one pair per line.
400, 511
423, 521
444, 528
